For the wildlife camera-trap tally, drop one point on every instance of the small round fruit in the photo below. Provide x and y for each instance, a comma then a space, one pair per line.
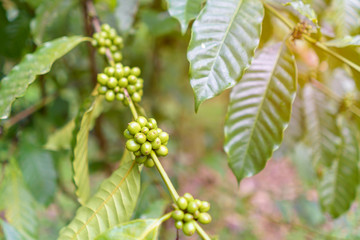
189, 228
96, 35
149, 163
153, 121
105, 27
101, 41
113, 48
145, 130
110, 71
127, 134
164, 137
118, 65
204, 218
140, 138
139, 86
152, 135
159, 130
188, 217
102, 50
177, 215
103, 34
205, 206
119, 73
117, 89
134, 127
188, 197
109, 96
102, 78
156, 143
123, 82
108, 42
102, 89
136, 97
112, 82
198, 202
137, 153
162, 151
120, 96
182, 203
179, 224
132, 145
94, 42
192, 207
117, 56
196, 214
136, 71
112, 33
132, 79
127, 71
142, 121
146, 148
141, 159
118, 41
131, 89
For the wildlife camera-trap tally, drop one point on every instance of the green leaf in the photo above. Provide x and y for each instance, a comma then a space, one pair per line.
22, 75
113, 204
259, 110
159, 23
338, 186
139, 229
10, 232
305, 10
39, 172
125, 12
223, 41
61, 139
346, 15
79, 147
346, 41
18, 204
322, 131
184, 11
46, 13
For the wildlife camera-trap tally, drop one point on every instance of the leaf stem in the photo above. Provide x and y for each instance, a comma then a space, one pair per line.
131, 105
312, 40
165, 177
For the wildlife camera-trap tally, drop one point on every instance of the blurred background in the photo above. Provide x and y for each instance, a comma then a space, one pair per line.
279, 203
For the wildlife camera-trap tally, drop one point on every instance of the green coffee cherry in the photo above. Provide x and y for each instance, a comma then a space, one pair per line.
142, 121
159, 130
137, 153
141, 159
117, 56
205, 206
182, 203
146, 148
188, 217
102, 89
153, 122
132, 145
127, 134
105, 27
196, 214
112, 82
120, 96
192, 207
152, 135
149, 163
134, 128
189, 228
127, 71
204, 218
179, 224
102, 78
117, 89
131, 89
108, 42
136, 71
145, 130
177, 215
188, 197
102, 50
123, 82
110, 71
162, 151
136, 97
156, 143
109, 96
119, 72
198, 202
164, 137
140, 138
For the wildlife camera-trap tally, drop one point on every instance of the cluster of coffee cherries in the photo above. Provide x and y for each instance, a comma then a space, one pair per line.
187, 211
114, 80
108, 38
143, 137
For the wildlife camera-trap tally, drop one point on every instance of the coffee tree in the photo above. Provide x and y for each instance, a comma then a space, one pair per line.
293, 68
